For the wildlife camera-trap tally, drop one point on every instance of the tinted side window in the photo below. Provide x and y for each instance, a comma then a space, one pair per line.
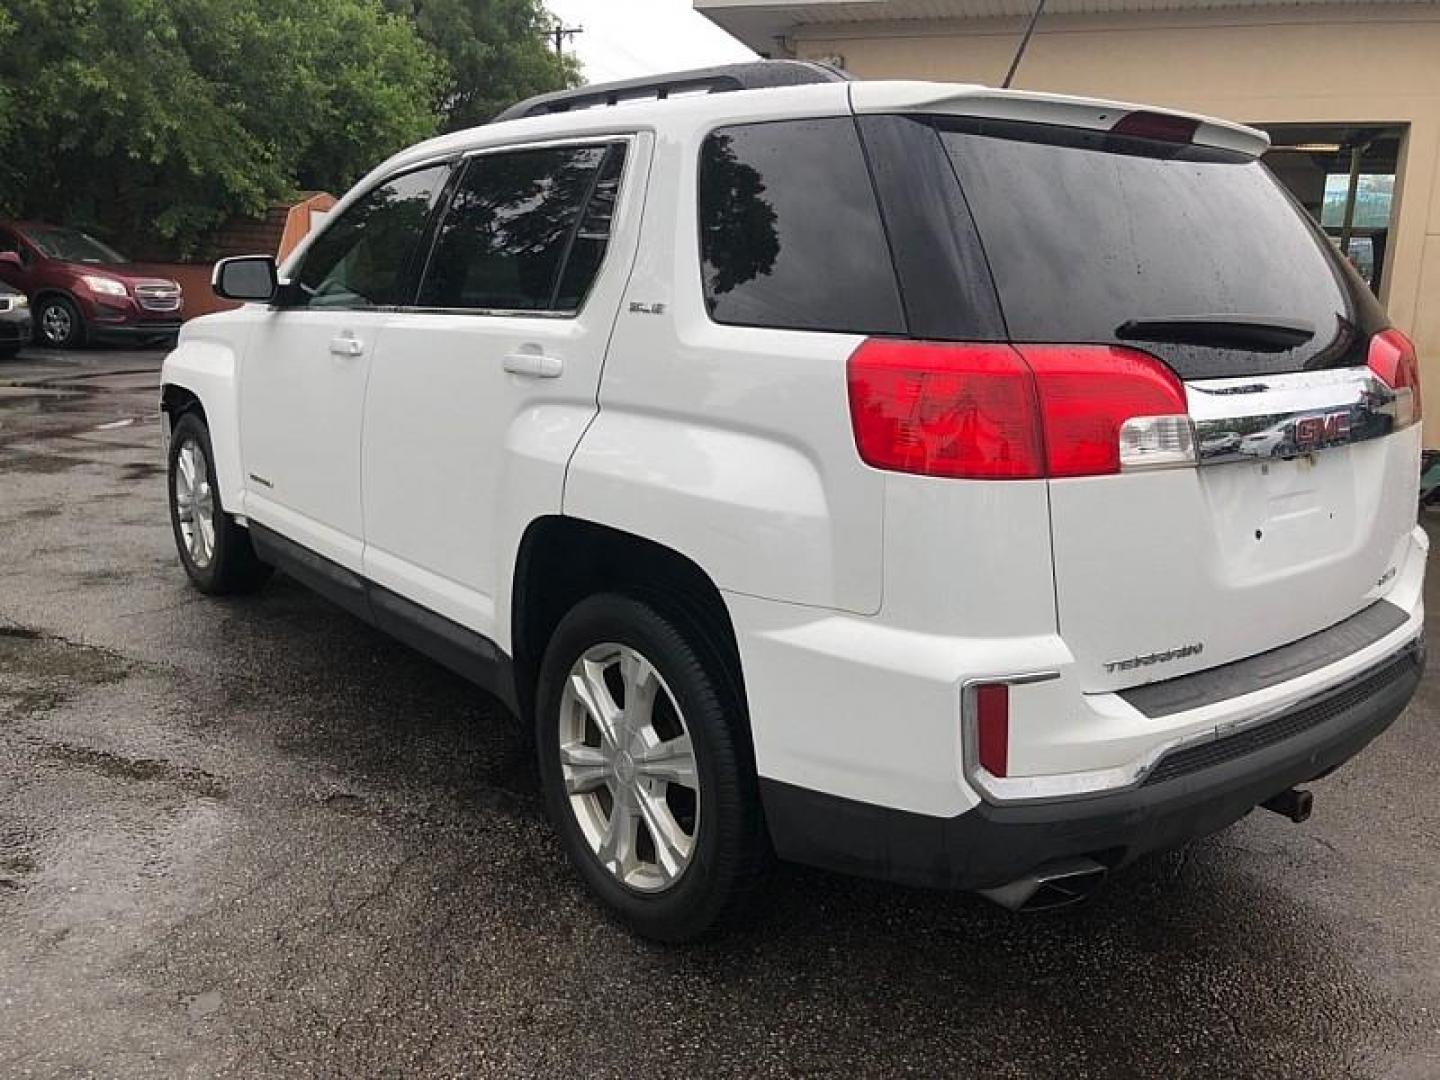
790, 234
513, 221
593, 235
361, 258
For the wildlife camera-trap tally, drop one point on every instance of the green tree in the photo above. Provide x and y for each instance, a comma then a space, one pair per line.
153, 121
496, 53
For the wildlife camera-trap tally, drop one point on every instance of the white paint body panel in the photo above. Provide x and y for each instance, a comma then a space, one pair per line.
987, 102
862, 601
460, 455
301, 407
1240, 557
731, 445
206, 361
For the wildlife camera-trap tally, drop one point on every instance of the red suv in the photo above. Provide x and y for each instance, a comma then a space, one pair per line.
81, 290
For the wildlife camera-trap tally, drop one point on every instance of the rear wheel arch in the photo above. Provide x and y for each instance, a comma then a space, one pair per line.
563, 560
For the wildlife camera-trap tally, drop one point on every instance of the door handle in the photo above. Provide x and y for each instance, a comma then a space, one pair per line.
347, 345
535, 365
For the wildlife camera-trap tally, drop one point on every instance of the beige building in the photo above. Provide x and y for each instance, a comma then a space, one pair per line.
1342, 89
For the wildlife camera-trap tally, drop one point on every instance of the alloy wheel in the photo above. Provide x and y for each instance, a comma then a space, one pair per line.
195, 503
629, 768
56, 324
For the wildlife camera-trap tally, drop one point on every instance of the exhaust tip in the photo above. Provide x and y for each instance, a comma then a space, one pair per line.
1055, 886
1293, 804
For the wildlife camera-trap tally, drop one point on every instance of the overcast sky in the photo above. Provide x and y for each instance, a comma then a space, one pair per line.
624, 38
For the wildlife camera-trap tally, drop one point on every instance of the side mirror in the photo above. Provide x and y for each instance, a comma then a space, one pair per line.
11, 258
246, 277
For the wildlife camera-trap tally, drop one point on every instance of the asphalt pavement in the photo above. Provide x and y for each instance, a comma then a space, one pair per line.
254, 837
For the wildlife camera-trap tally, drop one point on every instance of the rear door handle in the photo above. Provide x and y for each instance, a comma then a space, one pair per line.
347, 345
535, 365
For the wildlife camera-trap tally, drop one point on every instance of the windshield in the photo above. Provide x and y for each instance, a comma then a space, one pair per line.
71, 245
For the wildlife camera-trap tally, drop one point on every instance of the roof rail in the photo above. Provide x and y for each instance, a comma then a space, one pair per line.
712, 80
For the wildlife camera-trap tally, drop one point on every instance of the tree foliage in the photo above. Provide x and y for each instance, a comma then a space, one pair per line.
153, 121
495, 53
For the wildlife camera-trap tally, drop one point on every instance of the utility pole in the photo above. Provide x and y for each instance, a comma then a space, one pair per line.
559, 32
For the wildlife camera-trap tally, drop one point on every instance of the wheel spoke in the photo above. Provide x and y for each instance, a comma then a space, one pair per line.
206, 532
672, 761
672, 846
589, 685
584, 767
641, 686
617, 846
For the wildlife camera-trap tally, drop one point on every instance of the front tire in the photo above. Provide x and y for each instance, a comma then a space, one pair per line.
215, 551
59, 324
646, 771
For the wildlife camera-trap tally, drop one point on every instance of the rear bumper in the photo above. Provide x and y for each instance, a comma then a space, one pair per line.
992, 845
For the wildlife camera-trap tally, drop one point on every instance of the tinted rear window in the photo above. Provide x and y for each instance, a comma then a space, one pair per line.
790, 233
1085, 232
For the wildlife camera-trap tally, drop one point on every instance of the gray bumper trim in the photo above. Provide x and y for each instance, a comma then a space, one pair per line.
1268, 668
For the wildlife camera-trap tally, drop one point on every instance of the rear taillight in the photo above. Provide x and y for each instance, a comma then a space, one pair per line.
988, 411
945, 410
1105, 408
1392, 358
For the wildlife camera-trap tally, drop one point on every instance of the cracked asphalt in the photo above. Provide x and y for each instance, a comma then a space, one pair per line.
256, 838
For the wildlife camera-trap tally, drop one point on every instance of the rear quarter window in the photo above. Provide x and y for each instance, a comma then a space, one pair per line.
790, 232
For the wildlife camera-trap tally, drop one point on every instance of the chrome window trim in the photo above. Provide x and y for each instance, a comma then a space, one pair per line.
1069, 787
517, 313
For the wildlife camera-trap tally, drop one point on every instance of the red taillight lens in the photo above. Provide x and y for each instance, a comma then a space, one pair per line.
992, 727
1087, 392
1392, 358
988, 412
945, 410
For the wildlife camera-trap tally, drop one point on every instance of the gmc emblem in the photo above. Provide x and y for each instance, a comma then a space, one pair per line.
1314, 431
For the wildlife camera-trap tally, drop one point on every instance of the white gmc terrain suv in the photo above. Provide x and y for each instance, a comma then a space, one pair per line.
962, 487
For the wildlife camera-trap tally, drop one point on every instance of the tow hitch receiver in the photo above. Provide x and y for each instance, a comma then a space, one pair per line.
1293, 804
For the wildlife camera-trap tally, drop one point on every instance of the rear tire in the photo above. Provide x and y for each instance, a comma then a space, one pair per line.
661, 817
215, 551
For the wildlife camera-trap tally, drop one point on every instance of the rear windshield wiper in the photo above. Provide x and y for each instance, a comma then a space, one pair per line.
1260, 333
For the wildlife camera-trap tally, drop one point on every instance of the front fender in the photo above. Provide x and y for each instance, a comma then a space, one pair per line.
206, 363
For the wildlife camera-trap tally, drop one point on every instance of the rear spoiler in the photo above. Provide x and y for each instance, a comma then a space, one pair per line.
958, 99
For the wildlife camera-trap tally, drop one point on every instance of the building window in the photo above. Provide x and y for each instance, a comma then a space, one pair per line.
1344, 176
